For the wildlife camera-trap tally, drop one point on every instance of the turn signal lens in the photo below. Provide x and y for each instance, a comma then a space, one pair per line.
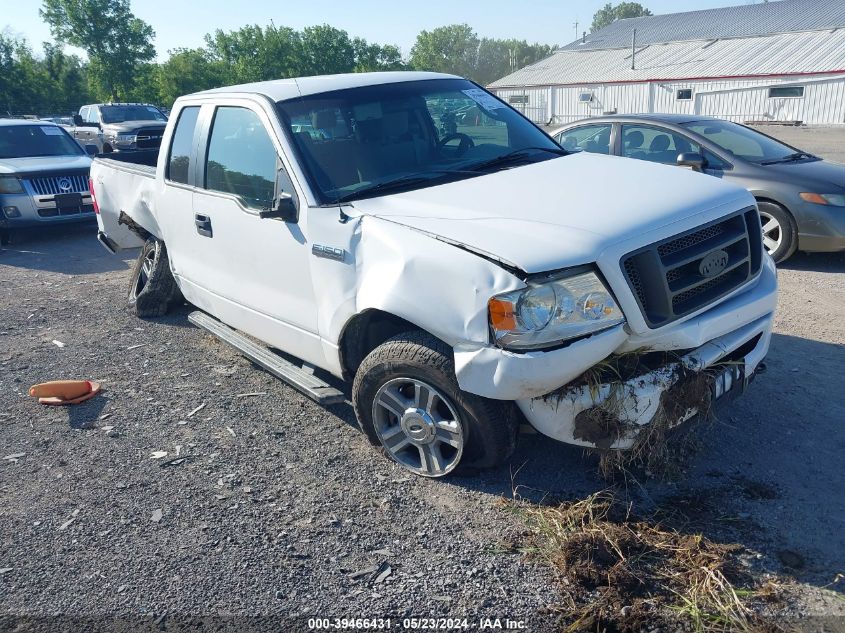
834, 199
501, 314
814, 198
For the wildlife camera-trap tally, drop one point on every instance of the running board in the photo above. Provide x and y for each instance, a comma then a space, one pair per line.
296, 377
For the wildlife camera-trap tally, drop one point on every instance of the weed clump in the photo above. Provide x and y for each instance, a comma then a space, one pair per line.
620, 572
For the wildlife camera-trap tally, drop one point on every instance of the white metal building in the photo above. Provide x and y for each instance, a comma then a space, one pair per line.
778, 61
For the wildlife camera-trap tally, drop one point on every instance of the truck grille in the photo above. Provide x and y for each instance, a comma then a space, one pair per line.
671, 278
149, 138
52, 185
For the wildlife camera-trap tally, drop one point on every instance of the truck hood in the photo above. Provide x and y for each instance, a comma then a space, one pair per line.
43, 163
131, 126
560, 212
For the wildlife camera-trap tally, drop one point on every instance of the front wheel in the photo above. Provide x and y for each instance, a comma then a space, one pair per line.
407, 400
152, 288
780, 233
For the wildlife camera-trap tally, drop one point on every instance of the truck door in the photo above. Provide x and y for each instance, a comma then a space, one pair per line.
90, 133
253, 273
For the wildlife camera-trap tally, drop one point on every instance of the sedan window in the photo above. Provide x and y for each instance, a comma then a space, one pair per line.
587, 138
657, 145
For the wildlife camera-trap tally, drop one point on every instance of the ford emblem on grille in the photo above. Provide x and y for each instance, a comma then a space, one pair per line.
713, 263
65, 184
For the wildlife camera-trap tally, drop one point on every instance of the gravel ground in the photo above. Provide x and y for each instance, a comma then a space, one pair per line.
270, 505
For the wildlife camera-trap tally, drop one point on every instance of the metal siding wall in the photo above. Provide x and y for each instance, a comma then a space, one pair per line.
537, 108
733, 99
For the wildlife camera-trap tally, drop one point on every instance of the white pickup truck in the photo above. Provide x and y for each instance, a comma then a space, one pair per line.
463, 273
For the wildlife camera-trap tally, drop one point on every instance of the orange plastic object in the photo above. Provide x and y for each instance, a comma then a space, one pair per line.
59, 392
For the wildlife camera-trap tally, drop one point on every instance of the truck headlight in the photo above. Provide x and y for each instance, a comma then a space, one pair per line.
10, 184
834, 199
125, 139
553, 311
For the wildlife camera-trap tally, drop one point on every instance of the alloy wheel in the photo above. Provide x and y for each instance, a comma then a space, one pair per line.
418, 426
772, 232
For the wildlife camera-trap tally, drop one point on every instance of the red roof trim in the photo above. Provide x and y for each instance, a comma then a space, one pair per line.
674, 79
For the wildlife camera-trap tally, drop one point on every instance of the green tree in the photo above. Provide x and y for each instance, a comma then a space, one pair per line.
374, 57
22, 77
449, 49
326, 51
68, 79
253, 53
609, 14
186, 71
115, 40
497, 58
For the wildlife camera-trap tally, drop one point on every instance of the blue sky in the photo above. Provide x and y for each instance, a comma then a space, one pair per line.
183, 23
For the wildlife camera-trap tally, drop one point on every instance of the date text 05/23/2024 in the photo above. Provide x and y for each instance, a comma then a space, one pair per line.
416, 624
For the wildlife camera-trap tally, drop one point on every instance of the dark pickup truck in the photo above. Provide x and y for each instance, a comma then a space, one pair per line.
120, 127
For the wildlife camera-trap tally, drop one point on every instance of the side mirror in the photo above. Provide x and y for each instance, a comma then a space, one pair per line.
92, 150
691, 159
286, 209
77, 120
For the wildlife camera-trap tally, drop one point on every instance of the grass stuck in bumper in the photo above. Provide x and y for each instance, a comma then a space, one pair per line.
620, 572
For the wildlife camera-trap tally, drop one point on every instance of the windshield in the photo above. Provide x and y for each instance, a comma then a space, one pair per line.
365, 141
21, 141
741, 141
121, 113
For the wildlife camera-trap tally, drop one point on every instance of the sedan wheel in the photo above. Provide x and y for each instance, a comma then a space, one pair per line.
772, 232
780, 233
418, 426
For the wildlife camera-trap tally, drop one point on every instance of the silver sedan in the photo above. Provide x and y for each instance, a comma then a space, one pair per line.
800, 196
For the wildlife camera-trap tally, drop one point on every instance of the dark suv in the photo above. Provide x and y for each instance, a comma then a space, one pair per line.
120, 127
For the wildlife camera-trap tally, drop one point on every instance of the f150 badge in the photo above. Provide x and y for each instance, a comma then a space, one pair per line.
328, 252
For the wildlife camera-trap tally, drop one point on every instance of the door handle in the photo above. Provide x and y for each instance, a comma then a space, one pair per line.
203, 223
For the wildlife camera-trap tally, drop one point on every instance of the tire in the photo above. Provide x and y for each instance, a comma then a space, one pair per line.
780, 232
152, 288
440, 427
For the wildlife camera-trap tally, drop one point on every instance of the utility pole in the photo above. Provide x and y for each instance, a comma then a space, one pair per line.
576, 29
634, 50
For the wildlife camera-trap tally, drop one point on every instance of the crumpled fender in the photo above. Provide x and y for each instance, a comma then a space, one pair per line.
438, 286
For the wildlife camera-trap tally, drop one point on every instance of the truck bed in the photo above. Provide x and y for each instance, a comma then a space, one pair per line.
141, 162
123, 186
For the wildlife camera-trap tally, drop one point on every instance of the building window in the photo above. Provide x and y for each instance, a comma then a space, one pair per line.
518, 99
585, 97
787, 92
684, 94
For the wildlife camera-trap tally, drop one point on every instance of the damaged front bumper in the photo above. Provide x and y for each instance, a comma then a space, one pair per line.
611, 415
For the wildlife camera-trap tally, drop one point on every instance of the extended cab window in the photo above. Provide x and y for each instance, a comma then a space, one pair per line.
180, 148
241, 157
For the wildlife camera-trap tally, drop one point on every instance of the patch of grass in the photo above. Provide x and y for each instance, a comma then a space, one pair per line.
620, 572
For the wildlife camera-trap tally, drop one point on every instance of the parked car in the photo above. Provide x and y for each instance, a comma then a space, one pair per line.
43, 176
800, 196
120, 127
460, 284
66, 121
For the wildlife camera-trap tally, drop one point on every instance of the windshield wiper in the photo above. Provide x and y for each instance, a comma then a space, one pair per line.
515, 156
789, 158
402, 182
